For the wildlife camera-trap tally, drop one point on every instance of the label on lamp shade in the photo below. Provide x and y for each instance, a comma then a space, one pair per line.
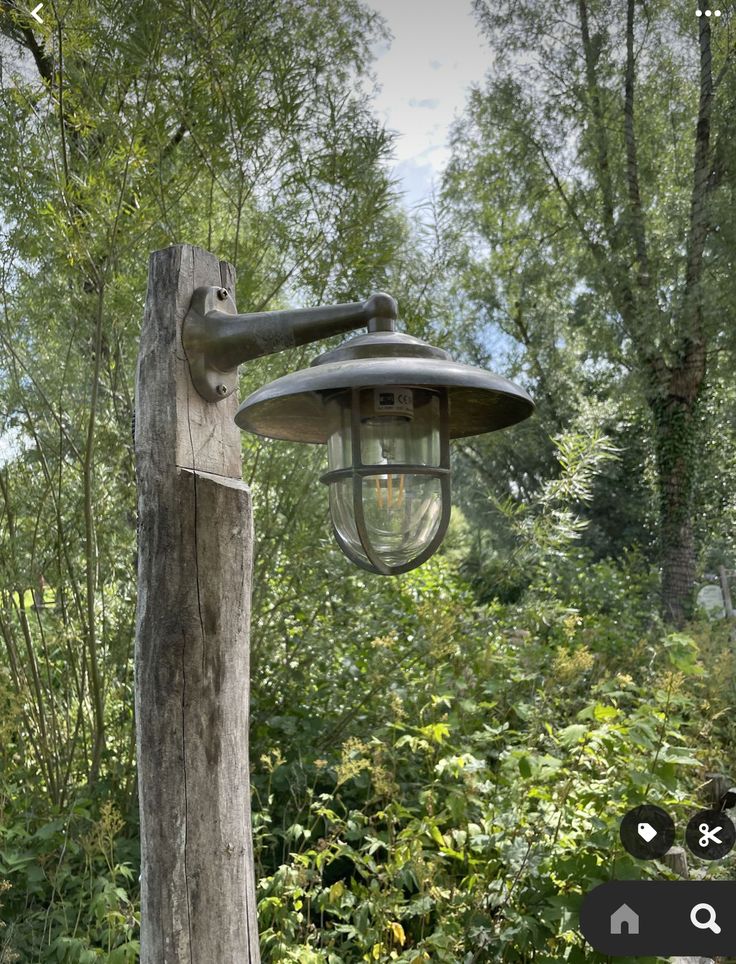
393, 401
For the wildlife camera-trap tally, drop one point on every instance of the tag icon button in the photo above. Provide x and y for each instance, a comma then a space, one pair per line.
646, 831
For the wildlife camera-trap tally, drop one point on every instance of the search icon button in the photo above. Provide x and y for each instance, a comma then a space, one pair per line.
709, 924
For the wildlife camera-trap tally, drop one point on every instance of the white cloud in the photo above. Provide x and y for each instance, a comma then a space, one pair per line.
436, 54
429, 102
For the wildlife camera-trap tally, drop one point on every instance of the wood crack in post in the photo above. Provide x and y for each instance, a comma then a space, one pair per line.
204, 651
196, 528
186, 798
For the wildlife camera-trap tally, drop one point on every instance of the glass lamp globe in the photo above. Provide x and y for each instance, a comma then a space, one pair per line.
388, 474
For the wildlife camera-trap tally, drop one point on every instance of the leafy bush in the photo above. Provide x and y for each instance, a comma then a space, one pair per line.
71, 884
468, 825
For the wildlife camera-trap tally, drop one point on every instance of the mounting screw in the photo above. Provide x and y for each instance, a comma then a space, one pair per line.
221, 390
222, 293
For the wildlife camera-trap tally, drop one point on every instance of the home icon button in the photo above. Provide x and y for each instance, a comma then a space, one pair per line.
624, 921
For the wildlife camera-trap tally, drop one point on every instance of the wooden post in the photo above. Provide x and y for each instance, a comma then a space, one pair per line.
676, 860
726, 590
192, 632
715, 787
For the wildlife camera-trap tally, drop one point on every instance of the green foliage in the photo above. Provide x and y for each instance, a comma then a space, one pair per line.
70, 876
125, 130
487, 798
473, 794
536, 537
118, 137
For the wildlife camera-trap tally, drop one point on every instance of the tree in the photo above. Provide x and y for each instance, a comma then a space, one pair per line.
123, 130
593, 178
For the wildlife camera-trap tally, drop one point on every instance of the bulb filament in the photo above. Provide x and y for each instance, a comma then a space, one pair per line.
393, 498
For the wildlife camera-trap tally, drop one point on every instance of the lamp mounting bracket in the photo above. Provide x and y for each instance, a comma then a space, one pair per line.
217, 339
208, 307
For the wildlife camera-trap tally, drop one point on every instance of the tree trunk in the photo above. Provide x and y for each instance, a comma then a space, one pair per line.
192, 660
675, 421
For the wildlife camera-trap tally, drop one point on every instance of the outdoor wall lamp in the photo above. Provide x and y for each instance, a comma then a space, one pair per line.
386, 405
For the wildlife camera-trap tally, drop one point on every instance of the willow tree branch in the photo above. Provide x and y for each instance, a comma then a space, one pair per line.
598, 125
692, 306
632, 165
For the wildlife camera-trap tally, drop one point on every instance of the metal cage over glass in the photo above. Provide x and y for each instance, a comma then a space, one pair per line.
389, 475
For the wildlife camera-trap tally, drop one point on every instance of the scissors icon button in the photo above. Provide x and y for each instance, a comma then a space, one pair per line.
710, 834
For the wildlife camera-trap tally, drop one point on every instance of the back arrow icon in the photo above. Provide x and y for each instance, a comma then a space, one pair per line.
34, 13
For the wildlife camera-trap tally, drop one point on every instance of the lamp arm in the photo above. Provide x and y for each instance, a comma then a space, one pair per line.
216, 339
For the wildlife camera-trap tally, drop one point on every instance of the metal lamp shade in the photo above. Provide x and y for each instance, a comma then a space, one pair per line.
386, 404
292, 407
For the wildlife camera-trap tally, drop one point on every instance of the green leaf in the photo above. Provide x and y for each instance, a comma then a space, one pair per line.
572, 734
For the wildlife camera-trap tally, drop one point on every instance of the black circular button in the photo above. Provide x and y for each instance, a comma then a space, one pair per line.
710, 834
647, 832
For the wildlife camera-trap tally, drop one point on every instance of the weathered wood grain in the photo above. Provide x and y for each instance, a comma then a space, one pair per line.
192, 637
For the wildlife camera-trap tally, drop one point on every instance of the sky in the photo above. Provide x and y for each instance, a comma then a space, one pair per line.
436, 54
